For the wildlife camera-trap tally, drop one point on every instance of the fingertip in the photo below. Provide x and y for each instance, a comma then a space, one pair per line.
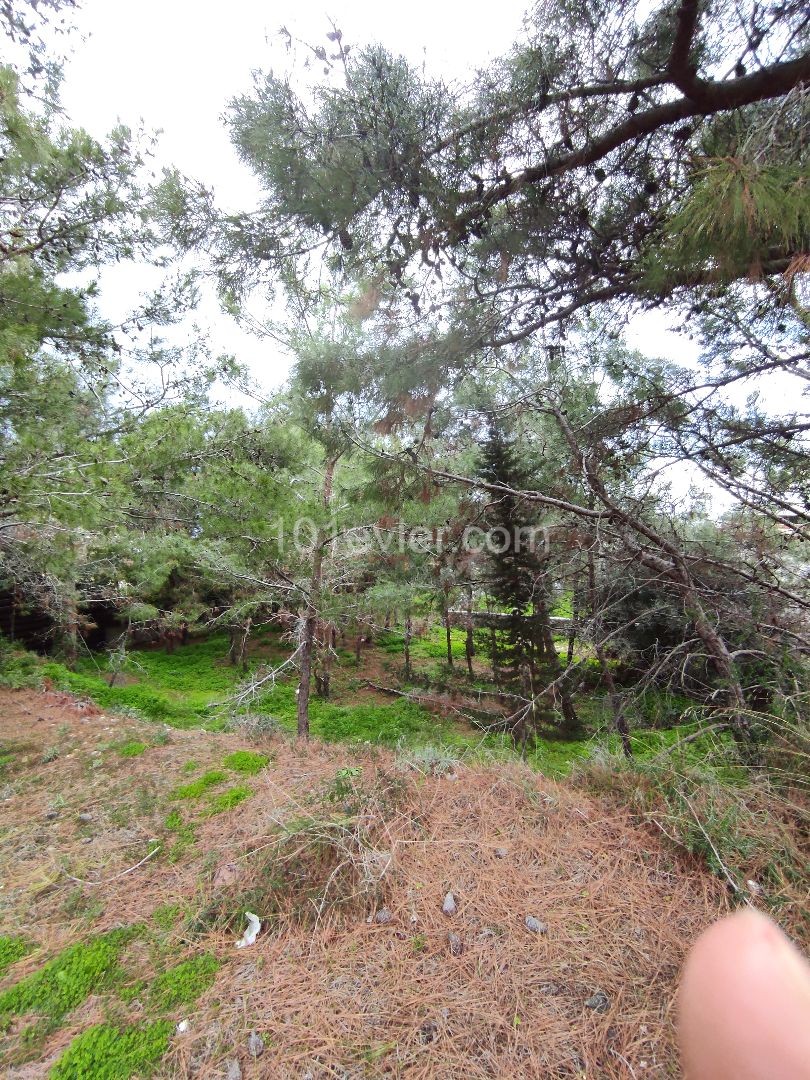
745, 1003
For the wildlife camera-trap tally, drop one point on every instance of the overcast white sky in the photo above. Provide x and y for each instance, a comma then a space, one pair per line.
174, 65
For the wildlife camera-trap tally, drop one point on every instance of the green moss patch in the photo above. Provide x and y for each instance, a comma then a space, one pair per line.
227, 800
247, 762
166, 915
185, 982
133, 748
12, 949
65, 982
107, 1052
197, 788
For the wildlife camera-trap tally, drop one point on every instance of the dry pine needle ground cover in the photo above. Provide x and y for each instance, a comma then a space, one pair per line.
347, 857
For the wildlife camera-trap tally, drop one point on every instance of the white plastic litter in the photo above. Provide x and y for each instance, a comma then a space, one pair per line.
250, 935
182, 1027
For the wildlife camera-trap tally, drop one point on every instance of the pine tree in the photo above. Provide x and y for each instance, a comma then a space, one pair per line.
519, 580
514, 569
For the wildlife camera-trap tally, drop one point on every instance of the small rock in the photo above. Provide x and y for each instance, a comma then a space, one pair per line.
182, 1027
226, 875
549, 988
383, 916
87, 839
51, 815
428, 1032
255, 1045
501, 853
456, 944
233, 1070
449, 907
534, 926
599, 1002
84, 819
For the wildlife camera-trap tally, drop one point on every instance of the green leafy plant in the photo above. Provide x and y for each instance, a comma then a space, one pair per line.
197, 788
107, 1052
132, 748
66, 980
227, 800
247, 762
12, 949
184, 983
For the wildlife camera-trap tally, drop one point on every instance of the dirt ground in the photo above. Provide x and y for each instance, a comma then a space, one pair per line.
358, 971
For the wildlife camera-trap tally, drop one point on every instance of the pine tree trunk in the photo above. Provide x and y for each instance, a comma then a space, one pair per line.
469, 641
242, 655
616, 703
305, 680
70, 632
310, 614
408, 633
572, 629
448, 635
571, 725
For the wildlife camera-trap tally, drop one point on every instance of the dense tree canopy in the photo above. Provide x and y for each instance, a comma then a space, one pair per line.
458, 262
607, 157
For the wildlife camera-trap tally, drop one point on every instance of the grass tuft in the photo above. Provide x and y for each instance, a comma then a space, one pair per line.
247, 762
227, 800
197, 788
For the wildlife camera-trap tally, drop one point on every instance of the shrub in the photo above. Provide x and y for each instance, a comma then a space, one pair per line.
432, 760
253, 725
19, 669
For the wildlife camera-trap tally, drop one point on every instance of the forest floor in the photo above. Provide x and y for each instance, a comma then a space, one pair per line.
139, 824
148, 845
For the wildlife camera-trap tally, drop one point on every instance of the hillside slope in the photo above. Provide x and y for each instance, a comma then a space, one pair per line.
149, 845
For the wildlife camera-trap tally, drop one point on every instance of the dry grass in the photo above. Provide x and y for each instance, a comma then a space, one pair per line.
317, 853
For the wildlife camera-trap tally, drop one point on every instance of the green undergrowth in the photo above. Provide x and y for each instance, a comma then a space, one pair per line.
199, 787
108, 1052
66, 980
183, 983
227, 800
176, 688
131, 748
387, 724
247, 762
19, 669
433, 646
12, 949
